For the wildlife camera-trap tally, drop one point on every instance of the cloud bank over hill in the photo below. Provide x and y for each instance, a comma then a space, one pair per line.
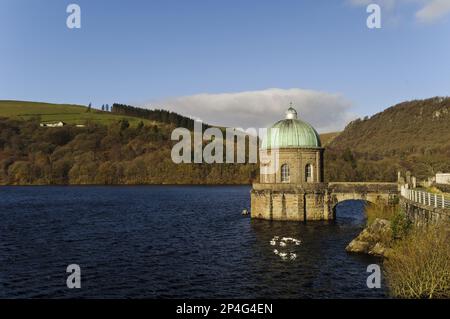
325, 111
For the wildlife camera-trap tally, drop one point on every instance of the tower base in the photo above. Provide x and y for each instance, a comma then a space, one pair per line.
290, 202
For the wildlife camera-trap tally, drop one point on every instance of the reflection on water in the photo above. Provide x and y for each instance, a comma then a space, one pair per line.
170, 241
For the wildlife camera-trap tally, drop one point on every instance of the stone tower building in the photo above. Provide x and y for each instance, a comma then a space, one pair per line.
291, 183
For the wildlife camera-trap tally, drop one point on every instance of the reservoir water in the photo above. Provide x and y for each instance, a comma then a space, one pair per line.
170, 242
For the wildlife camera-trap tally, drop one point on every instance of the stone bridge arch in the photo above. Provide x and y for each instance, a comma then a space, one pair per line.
314, 201
371, 192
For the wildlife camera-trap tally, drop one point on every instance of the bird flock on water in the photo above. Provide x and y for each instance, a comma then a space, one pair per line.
285, 242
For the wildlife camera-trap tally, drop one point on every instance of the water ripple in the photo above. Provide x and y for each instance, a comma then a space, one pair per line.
169, 242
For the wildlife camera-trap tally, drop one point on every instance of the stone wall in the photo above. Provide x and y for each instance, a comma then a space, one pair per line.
422, 214
289, 202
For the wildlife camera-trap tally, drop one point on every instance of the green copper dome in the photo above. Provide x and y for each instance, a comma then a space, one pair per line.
290, 133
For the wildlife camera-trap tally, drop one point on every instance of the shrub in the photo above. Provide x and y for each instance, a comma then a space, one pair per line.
400, 225
419, 264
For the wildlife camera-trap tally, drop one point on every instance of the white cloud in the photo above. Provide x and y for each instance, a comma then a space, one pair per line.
428, 10
433, 11
326, 112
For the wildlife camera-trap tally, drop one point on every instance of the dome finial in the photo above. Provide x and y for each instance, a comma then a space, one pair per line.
291, 113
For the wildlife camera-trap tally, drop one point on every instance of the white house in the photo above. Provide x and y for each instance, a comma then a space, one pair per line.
56, 124
443, 178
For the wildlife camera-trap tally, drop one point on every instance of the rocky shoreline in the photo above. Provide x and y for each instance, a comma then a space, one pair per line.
373, 240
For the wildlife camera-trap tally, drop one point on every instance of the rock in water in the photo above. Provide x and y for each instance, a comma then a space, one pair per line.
373, 240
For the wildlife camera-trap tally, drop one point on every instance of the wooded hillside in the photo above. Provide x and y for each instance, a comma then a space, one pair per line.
133, 146
411, 136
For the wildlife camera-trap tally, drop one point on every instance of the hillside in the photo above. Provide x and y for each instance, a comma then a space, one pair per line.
112, 148
100, 154
133, 146
327, 138
412, 135
68, 113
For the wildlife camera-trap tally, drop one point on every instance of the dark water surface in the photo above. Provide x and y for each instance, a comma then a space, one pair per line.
169, 241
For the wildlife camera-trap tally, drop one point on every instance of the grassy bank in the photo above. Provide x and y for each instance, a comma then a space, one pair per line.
419, 265
418, 262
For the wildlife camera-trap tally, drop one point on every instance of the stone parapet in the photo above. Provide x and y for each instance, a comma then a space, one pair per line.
363, 187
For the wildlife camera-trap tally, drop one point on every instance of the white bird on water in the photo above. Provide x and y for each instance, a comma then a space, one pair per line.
290, 239
284, 242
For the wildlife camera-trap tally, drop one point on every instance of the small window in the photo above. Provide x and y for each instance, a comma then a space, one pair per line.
309, 173
285, 173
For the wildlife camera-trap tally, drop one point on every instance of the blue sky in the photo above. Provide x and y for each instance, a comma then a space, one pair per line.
199, 57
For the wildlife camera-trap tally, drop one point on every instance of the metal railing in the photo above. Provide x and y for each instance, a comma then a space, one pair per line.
426, 198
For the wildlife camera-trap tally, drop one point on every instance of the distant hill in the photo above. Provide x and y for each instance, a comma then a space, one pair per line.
133, 146
412, 135
79, 114
128, 146
68, 113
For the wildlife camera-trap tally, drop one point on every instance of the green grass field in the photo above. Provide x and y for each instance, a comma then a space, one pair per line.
71, 114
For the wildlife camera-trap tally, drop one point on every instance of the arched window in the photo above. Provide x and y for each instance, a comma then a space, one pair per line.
308, 173
285, 173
